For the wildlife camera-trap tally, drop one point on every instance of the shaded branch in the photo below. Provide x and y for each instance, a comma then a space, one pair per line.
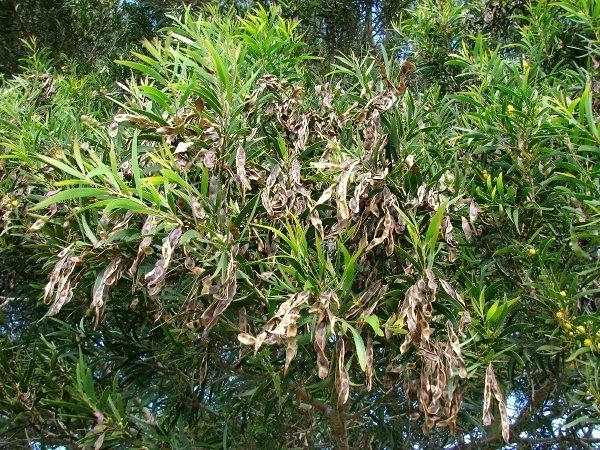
539, 396
335, 416
303, 395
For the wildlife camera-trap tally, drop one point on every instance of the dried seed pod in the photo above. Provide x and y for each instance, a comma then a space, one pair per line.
240, 164
342, 378
319, 344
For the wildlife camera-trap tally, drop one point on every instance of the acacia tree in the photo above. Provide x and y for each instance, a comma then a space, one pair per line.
246, 256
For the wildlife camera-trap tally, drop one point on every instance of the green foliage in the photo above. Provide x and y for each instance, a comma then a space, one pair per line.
242, 254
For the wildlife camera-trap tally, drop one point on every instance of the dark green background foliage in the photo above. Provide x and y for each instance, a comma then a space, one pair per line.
335, 224
91, 32
83, 33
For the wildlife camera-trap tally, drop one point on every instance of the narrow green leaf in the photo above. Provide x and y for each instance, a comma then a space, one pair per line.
492, 312
500, 185
70, 194
146, 70
135, 166
127, 204
62, 166
204, 182
577, 353
188, 236
277, 232
104, 174
433, 230
87, 230
361, 352
220, 68
373, 320
157, 96
586, 99
549, 349
77, 155
176, 178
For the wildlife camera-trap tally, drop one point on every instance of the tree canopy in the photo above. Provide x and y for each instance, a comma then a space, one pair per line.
237, 241
87, 35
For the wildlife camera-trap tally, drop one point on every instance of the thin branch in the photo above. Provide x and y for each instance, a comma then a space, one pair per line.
303, 395
335, 416
538, 397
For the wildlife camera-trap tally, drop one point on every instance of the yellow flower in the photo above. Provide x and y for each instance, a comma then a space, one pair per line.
560, 315
581, 329
532, 251
568, 326
588, 343
14, 203
510, 109
563, 294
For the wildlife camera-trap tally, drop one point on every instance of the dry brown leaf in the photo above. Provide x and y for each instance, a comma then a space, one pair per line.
343, 212
490, 379
197, 209
243, 324
451, 292
359, 190
155, 279
416, 311
37, 225
138, 120
273, 175
63, 296
325, 196
332, 167
283, 325
369, 367
266, 202
370, 133
189, 263
473, 212
110, 276
209, 159
455, 345
466, 227
387, 223
505, 424
363, 301
319, 344
295, 172
144, 248
182, 147
342, 378
383, 101
222, 300
113, 129
246, 339
292, 346
55, 276
169, 132
213, 189
315, 220
240, 164
199, 104
60, 285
